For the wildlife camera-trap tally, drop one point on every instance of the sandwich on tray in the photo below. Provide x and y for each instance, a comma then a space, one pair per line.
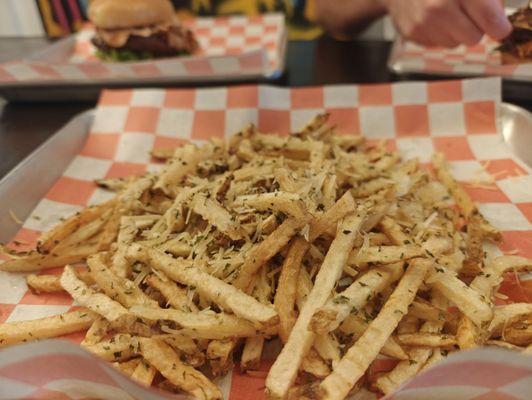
138, 30
517, 47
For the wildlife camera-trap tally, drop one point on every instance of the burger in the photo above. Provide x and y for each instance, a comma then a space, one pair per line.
132, 30
517, 47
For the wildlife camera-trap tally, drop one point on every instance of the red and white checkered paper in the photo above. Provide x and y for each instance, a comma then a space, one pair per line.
231, 47
458, 118
481, 59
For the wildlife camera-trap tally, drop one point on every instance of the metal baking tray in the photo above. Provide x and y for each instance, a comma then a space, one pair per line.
513, 87
28, 183
89, 89
23, 187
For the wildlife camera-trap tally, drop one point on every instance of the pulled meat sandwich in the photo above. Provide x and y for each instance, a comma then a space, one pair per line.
130, 30
517, 47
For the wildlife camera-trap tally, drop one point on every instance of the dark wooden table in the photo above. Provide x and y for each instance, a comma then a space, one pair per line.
24, 126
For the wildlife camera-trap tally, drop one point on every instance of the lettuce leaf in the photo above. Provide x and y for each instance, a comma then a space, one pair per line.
121, 55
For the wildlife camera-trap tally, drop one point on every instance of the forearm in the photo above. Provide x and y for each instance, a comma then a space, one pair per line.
345, 18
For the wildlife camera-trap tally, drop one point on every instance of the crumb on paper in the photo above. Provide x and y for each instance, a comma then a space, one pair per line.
14, 217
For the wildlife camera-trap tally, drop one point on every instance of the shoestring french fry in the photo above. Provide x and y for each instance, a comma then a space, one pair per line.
426, 340
355, 326
44, 283
97, 332
287, 203
117, 184
174, 295
185, 377
284, 370
90, 298
313, 128
120, 347
44, 328
218, 216
314, 365
473, 264
50, 239
519, 333
353, 299
406, 369
506, 315
266, 250
408, 324
144, 373
51, 283
120, 289
528, 350
418, 358
183, 162
286, 293
472, 303
328, 348
384, 254
423, 310
127, 367
375, 239
494, 270
436, 357
36, 261
357, 359
329, 189
504, 345
252, 353
304, 286
216, 290
467, 333
329, 219
464, 202
181, 343
203, 325
84, 232
220, 355
127, 231
287, 182
332, 245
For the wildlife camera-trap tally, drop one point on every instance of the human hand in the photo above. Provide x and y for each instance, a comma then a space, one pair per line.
448, 23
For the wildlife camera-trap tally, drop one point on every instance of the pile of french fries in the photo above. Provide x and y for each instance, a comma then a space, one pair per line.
330, 244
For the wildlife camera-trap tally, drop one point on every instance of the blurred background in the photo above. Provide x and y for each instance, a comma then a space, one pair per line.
54, 18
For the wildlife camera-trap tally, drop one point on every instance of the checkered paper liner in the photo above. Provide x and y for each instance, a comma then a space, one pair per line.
231, 47
481, 59
479, 374
458, 118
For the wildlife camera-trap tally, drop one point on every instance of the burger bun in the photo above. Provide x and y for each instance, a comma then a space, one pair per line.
121, 14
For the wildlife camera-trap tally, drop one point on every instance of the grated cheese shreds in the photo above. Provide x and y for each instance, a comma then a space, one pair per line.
519, 172
481, 185
14, 217
425, 225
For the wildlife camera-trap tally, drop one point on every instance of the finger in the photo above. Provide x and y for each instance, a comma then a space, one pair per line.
464, 30
442, 38
435, 34
489, 17
423, 41
435, 40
